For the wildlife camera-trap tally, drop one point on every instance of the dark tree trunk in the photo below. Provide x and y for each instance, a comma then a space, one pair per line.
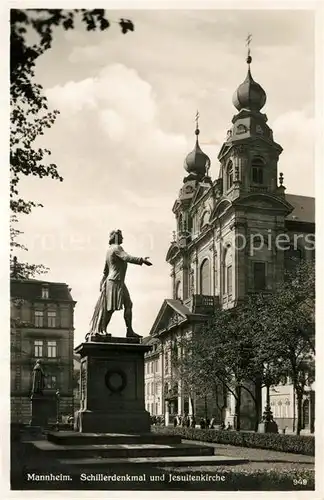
238, 408
258, 403
299, 411
206, 408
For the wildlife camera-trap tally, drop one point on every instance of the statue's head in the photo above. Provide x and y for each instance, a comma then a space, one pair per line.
115, 237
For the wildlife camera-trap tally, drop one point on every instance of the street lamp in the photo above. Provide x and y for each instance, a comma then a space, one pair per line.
57, 395
268, 424
267, 414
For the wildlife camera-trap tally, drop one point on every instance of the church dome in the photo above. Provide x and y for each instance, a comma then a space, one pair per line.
249, 95
197, 162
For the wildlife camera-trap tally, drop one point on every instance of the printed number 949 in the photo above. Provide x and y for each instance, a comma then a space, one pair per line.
300, 481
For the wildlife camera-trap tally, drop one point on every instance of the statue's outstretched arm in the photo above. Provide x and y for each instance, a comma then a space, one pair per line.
128, 258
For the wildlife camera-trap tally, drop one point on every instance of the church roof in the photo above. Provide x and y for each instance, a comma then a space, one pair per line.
304, 208
178, 306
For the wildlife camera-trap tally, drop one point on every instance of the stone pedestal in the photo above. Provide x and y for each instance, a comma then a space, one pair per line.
112, 386
39, 410
268, 427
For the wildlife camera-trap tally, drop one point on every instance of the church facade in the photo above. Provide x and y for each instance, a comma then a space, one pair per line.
225, 247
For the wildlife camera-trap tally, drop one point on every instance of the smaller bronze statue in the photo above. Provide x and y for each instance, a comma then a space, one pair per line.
38, 384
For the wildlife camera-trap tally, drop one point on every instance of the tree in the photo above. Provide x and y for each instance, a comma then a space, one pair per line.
290, 329
188, 369
30, 116
219, 355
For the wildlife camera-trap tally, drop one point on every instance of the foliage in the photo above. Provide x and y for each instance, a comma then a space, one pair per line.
289, 324
221, 354
21, 270
263, 339
30, 116
304, 445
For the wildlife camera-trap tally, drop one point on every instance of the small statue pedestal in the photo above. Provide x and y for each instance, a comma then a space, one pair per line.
39, 410
268, 424
112, 386
268, 427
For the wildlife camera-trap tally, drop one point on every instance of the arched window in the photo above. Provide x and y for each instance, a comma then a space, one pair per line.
257, 171
228, 272
178, 290
229, 175
204, 219
205, 278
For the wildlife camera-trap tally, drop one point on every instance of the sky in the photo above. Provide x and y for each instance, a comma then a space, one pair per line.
127, 118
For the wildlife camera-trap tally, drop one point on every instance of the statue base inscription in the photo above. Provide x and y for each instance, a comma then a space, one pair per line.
112, 387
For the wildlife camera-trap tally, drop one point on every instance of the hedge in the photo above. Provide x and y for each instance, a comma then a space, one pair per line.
304, 445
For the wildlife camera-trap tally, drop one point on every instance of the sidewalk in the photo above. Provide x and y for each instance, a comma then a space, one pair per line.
262, 459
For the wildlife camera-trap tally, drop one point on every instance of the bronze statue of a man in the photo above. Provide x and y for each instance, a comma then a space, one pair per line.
114, 293
38, 383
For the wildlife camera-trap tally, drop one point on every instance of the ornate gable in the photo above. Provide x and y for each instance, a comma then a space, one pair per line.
171, 314
264, 201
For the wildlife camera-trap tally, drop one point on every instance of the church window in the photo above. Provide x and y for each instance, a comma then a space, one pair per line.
166, 362
229, 175
259, 276
257, 170
205, 278
180, 227
178, 290
229, 279
241, 129
204, 219
228, 272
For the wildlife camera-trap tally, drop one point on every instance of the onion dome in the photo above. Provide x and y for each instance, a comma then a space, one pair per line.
197, 162
249, 95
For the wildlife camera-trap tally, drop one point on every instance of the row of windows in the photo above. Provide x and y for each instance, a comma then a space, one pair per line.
152, 408
257, 168
152, 366
50, 316
151, 388
259, 279
46, 350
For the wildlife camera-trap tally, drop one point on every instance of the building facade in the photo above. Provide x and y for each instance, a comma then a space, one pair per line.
41, 328
224, 246
153, 377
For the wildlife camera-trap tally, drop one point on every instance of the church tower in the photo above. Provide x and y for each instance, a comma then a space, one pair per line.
181, 253
249, 156
252, 208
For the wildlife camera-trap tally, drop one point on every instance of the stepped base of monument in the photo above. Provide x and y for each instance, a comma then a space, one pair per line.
101, 422
92, 438
119, 450
99, 451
